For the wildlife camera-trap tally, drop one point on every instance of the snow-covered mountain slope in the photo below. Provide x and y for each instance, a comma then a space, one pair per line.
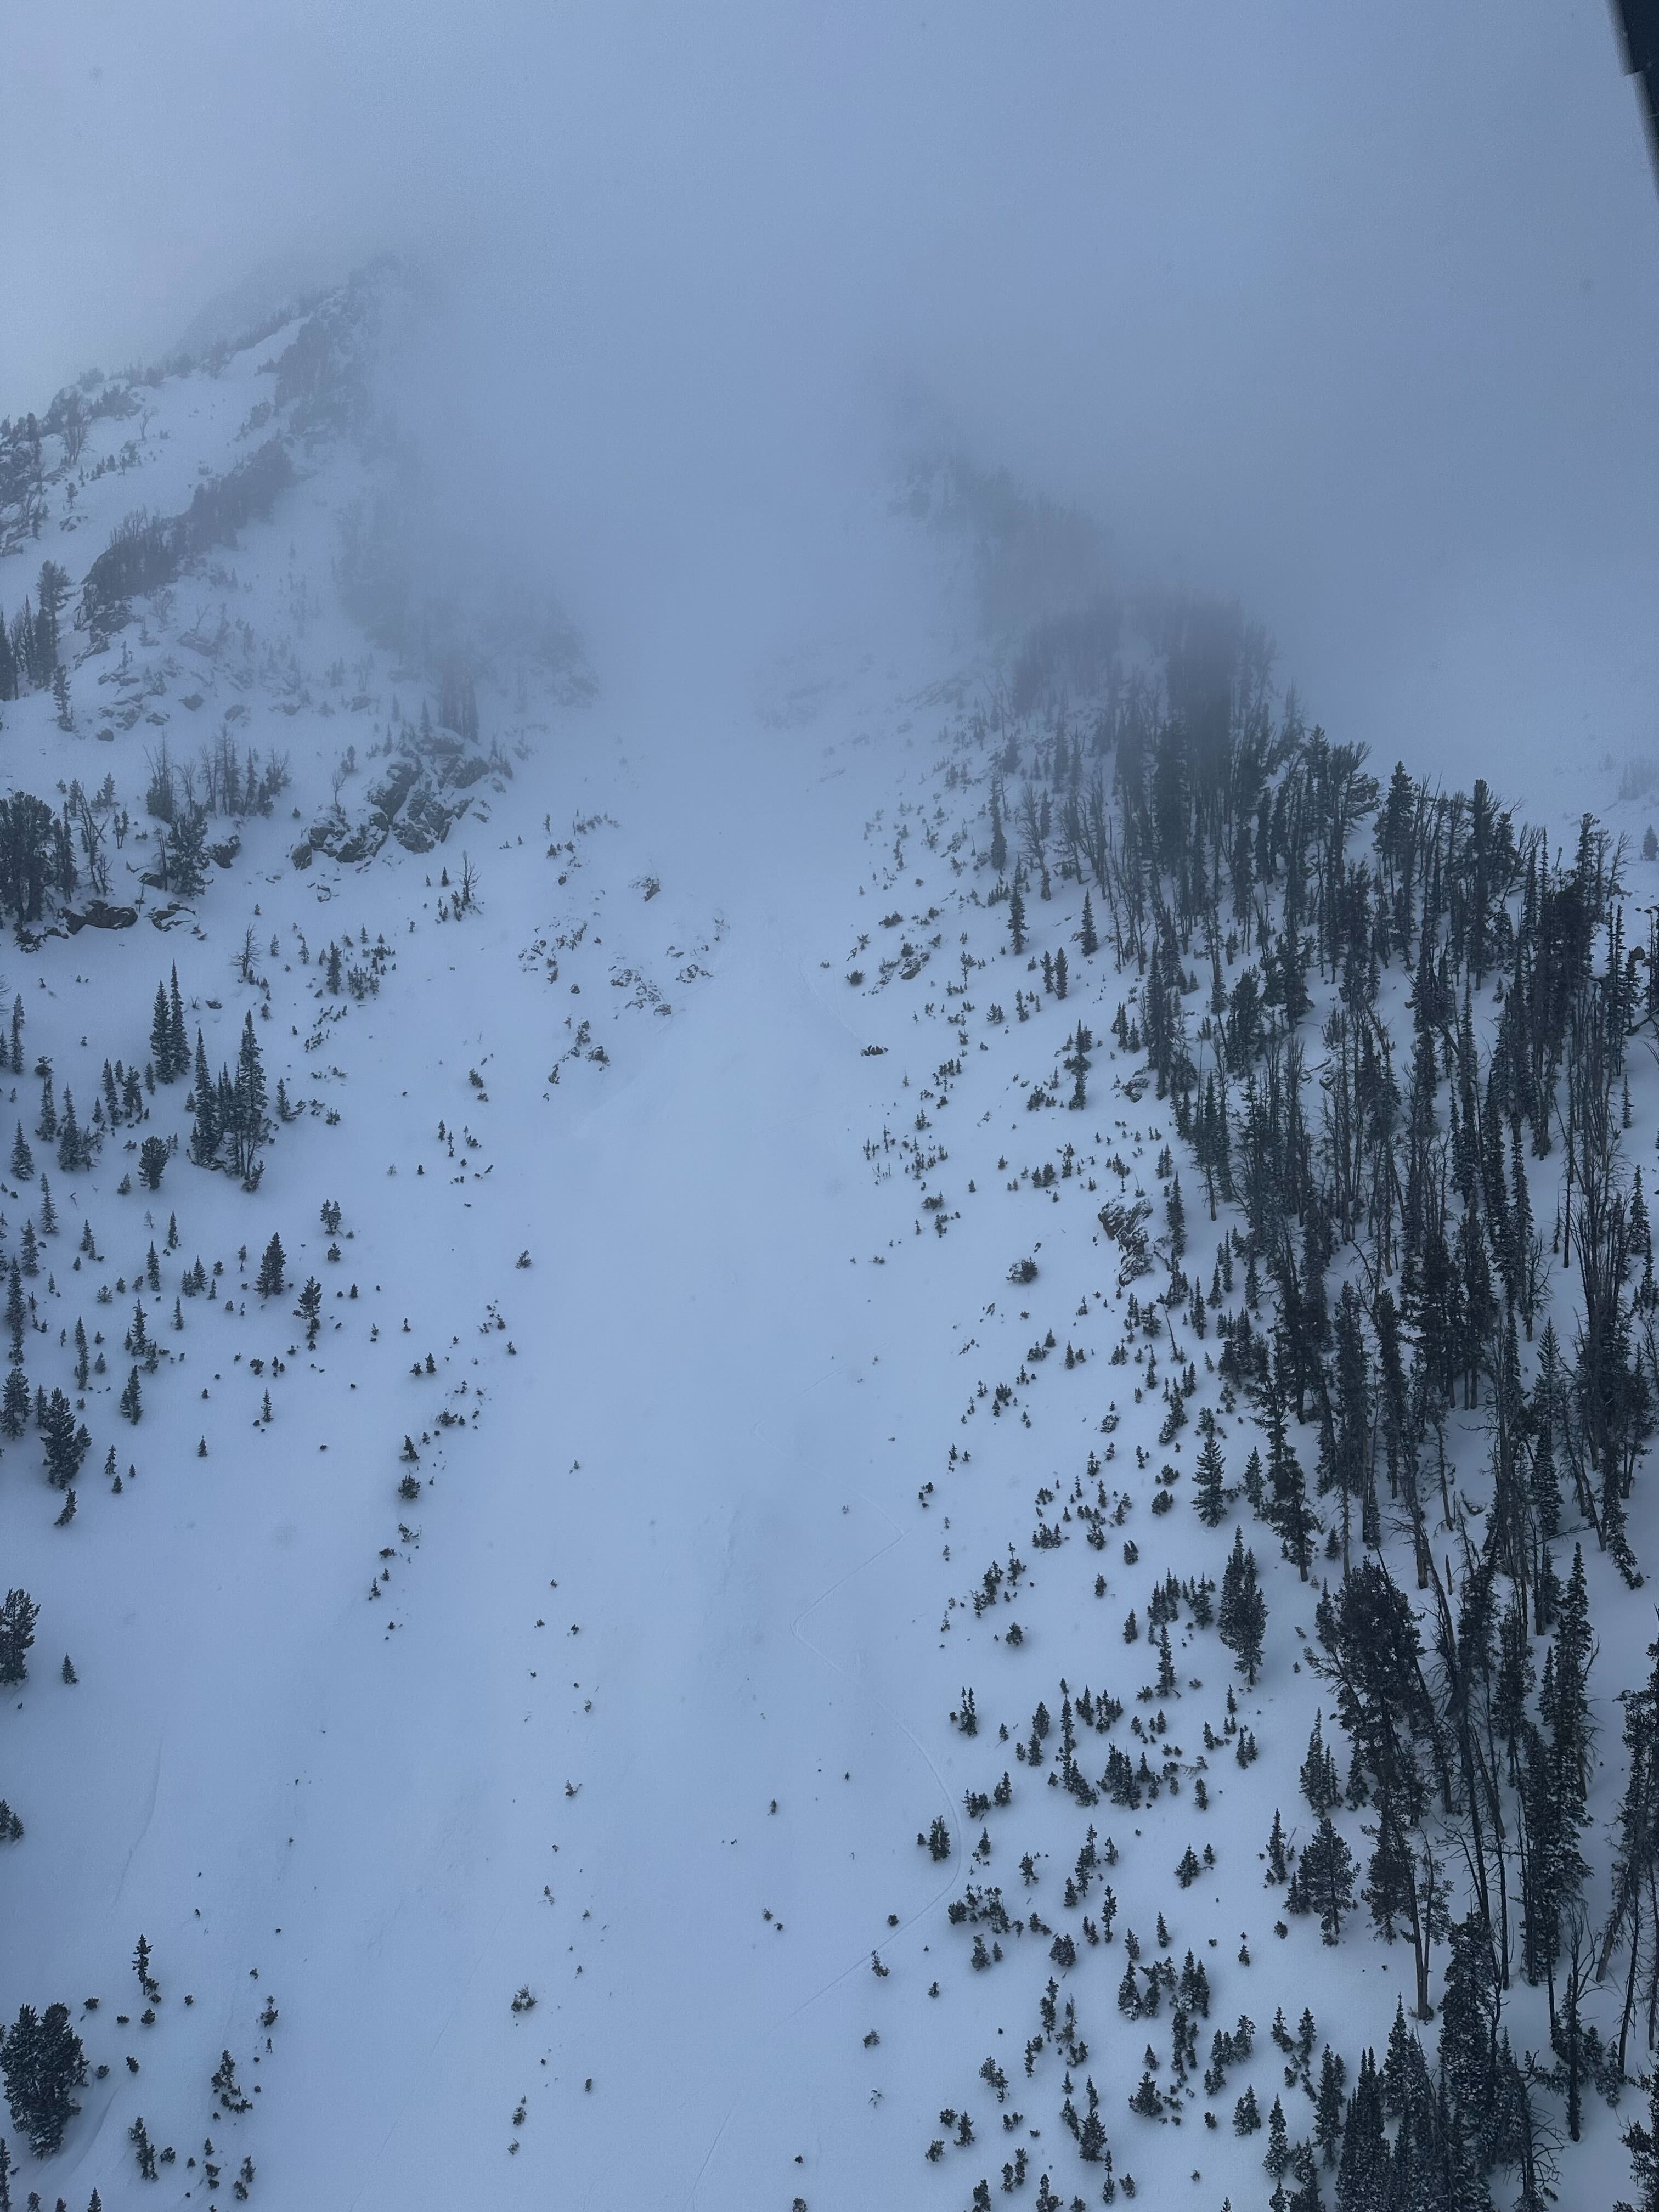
730, 1314
623, 1064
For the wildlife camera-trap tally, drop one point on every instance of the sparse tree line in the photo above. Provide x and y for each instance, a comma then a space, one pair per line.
41, 2057
44, 2062
220, 781
31, 659
48, 853
147, 551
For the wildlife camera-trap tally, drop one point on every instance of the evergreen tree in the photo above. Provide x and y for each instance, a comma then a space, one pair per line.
1241, 1614
204, 1132
1289, 1513
1368, 1645
207, 1129
1091, 2135
1552, 1870
138, 1337
269, 1282
1319, 1784
15, 1403
1329, 2112
1398, 2062
17, 1618
50, 590
1077, 1063
183, 853
1405, 1889
1327, 1876
1349, 1452
144, 2150
1565, 1702
22, 1159
42, 2060
1277, 2157
160, 1038
1635, 1874
142, 1955
1174, 1213
75, 1146
1468, 2026
1209, 1494
178, 1036
1016, 918
1088, 940
245, 1120
1255, 1484
1362, 2180
1572, 2043
1641, 2140
65, 1445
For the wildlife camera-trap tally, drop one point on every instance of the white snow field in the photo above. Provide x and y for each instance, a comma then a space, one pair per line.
548, 1835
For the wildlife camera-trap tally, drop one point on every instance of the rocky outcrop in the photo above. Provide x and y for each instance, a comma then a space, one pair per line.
419, 797
100, 915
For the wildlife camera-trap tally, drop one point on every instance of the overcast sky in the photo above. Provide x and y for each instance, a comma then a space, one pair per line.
1353, 311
